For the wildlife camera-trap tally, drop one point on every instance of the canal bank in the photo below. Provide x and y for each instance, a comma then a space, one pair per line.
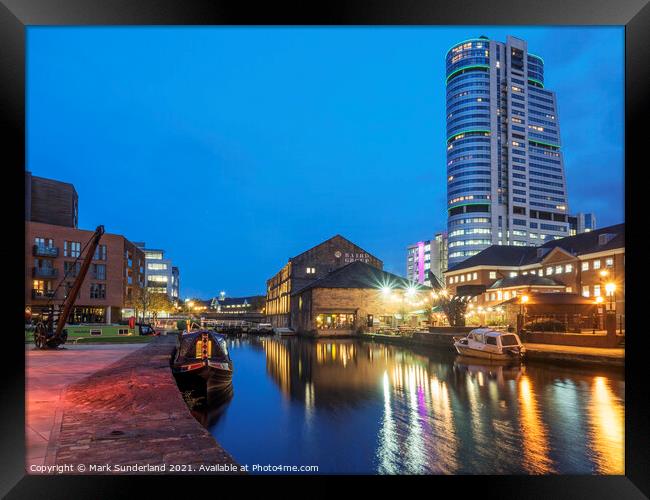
131, 413
547, 353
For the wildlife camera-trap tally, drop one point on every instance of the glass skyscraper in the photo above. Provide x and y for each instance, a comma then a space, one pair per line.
505, 171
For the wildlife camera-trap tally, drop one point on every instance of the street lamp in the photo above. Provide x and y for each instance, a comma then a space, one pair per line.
522, 309
610, 288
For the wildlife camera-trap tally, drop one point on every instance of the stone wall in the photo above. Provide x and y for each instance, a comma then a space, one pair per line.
359, 301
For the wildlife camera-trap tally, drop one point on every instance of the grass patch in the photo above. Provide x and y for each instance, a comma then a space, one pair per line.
123, 339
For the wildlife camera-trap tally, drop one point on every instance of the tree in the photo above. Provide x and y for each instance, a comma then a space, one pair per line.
153, 302
141, 300
453, 306
258, 303
159, 302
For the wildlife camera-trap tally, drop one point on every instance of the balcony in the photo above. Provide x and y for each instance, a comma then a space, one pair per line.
45, 272
42, 294
43, 251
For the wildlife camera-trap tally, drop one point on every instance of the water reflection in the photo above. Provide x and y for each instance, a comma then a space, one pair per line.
352, 406
607, 428
536, 448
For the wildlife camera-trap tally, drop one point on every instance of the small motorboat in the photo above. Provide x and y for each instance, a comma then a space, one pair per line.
262, 328
202, 356
490, 344
283, 332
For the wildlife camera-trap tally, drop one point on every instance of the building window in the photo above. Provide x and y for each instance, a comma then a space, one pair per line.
43, 242
311, 270
71, 269
596, 264
97, 291
493, 275
154, 266
585, 291
558, 269
100, 252
462, 278
513, 274
474, 276
609, 262
568, 268
596, 290
585, 266
71, 248
569, 289
335, 321
549, 270
99, 271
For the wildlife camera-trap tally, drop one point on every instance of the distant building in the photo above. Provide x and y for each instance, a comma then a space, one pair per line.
307, 267
424, 256
356, 297
238, 305
50, 202
161, 276
581, 223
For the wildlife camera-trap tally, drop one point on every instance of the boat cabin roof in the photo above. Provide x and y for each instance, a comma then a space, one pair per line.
487, 331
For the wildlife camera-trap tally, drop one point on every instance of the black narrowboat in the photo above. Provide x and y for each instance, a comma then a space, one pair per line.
202, 356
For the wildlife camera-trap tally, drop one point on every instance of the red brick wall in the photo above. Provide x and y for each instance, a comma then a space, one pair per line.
115, 264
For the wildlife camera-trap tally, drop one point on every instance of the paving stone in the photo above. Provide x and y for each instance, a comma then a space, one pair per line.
131, 412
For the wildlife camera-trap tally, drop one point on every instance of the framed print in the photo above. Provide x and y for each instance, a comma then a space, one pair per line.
355, 240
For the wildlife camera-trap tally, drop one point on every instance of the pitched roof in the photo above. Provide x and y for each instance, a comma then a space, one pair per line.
525, 280
239, 300
359, 275
499, 255
589, 242
507, 255
330, 239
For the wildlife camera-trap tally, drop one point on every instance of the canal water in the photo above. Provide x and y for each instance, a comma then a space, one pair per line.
351, 406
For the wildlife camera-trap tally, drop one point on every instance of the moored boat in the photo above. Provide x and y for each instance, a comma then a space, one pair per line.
283, 332
489, 344
202, 356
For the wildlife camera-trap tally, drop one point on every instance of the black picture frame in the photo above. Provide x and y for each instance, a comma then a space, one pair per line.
16, 15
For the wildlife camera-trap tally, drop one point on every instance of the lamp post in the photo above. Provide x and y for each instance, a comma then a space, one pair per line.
610, 288
522, 310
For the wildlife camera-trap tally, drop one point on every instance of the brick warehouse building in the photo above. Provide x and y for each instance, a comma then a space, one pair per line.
307, 267
357, 297
580, 266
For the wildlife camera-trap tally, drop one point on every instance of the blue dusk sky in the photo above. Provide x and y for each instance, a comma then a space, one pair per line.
236, 148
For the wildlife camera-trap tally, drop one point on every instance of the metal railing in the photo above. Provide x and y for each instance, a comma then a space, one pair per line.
45, 251
45, 272
42, 294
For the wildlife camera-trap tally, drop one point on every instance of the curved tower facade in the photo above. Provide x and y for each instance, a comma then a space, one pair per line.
505, 172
